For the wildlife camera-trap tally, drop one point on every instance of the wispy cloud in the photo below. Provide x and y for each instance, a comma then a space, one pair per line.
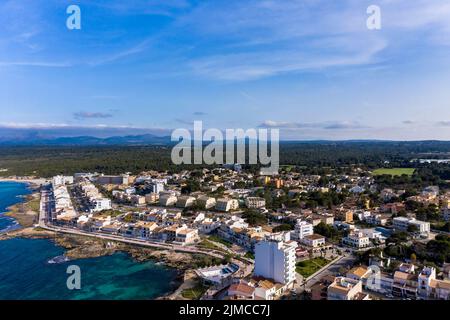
44, 64
134, 50
83, 115
269, 38
330, 125
250, 66
185, 122
147, 7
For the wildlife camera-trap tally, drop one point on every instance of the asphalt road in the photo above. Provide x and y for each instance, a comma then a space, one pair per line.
333, 269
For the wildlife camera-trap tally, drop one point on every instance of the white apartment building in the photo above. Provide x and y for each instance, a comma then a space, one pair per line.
373, 234
185, 202
208, 225
167, 200
63, 203
363, 215
62, 180
157, 187
80, 176
302, 229
402, 223
423, 227
206, 202
100, 204
275, 260
226, 205
356, 240
255, 202
376, 219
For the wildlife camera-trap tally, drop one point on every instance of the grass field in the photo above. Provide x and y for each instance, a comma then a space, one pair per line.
194, 293
309, 267
220, 240
394, 171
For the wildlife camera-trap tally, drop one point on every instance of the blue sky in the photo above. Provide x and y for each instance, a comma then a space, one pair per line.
308, 67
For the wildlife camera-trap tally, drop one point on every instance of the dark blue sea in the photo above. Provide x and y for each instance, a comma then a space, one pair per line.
25, 271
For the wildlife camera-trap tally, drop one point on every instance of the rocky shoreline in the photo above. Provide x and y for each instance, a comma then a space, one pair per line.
81, 247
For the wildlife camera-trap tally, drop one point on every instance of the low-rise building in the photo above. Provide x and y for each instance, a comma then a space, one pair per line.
314, 241
405, 224
186, 236
376, 219
118, 180
431, 288
242, 291
319, 290
373, 235
356, 240
316, 219
138, 200
152, 197
112, 227
144, 229
358, 273
344, 288
405, 285
346, 216
265, 290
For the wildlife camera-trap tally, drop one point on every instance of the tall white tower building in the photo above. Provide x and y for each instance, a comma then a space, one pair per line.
275, 259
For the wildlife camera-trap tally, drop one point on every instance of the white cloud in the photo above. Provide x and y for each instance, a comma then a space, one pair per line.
327, 125
44, 64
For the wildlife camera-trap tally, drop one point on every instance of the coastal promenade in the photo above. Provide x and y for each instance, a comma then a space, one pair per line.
45, 210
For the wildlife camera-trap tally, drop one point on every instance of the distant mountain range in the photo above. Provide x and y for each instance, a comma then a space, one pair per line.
145, 139
151, 139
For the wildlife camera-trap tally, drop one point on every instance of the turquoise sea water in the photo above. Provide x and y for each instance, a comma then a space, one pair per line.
26, 274
10, 193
